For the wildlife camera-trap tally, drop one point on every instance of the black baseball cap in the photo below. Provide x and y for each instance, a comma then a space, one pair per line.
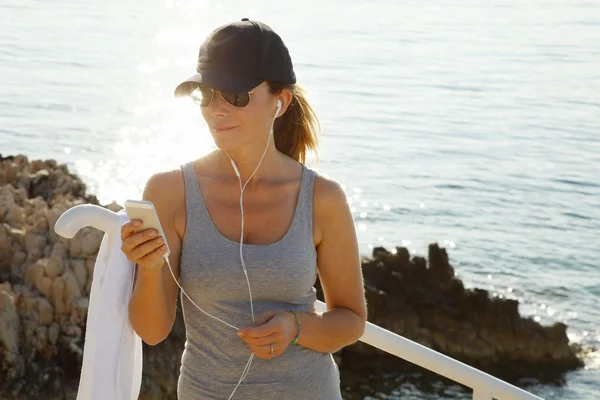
238, 56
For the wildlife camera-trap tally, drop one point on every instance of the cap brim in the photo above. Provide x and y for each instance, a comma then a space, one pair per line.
219, 80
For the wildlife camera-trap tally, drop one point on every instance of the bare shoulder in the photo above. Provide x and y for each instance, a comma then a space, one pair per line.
337, 249
331, 211
165, 188
328, 194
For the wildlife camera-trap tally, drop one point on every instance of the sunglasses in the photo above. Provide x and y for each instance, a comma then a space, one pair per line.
204, 95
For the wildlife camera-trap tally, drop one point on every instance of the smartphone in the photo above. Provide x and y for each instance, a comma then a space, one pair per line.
145, 212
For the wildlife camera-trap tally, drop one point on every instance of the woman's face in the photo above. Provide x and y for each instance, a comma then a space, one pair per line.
233, 127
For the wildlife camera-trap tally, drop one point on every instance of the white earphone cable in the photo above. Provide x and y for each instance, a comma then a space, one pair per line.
242, 188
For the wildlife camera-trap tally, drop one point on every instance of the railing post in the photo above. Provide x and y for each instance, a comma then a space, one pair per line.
482, 394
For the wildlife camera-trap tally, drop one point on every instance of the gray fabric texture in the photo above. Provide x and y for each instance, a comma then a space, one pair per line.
282, 276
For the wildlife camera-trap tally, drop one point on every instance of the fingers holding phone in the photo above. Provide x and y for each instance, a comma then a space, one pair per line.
143, 237
143, 247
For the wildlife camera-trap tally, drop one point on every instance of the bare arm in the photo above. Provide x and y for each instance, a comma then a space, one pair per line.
152, 307
339, 272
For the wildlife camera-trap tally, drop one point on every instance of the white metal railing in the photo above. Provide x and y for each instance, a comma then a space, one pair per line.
485, 386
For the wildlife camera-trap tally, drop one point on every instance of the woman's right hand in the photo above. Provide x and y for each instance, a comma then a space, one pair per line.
143, 248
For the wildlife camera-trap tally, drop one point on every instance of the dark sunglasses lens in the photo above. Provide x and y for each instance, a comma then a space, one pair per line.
237, 99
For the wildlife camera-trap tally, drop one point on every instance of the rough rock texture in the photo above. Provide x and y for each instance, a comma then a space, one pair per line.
45, 282
429, 305
44, 279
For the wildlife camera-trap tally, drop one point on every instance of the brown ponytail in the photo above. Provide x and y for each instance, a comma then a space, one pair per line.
297, 131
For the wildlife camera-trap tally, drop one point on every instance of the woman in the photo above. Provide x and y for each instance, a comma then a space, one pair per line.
251, 267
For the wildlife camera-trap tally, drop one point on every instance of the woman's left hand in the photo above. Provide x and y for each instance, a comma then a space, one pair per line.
271, 333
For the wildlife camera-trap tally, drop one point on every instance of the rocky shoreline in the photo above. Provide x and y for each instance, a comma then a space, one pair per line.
45, 282
425, 302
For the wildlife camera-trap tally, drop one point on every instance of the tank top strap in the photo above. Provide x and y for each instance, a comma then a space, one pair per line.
191, 181
196, 213
188, 173
304, 217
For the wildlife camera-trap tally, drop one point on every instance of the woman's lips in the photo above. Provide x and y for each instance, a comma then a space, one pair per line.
221, 129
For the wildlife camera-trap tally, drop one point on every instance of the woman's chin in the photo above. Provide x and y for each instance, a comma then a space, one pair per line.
226, 143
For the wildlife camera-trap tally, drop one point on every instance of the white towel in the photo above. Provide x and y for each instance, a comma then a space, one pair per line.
112, 354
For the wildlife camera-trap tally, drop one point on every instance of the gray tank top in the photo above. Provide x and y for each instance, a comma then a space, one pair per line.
282, 276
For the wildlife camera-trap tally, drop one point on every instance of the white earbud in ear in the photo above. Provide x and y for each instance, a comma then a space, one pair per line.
279, 104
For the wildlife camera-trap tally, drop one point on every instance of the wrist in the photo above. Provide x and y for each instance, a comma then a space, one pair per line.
150, 270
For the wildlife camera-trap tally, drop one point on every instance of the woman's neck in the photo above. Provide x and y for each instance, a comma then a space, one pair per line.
273, 164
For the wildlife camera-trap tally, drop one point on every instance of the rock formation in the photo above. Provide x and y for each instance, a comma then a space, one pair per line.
426, 303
